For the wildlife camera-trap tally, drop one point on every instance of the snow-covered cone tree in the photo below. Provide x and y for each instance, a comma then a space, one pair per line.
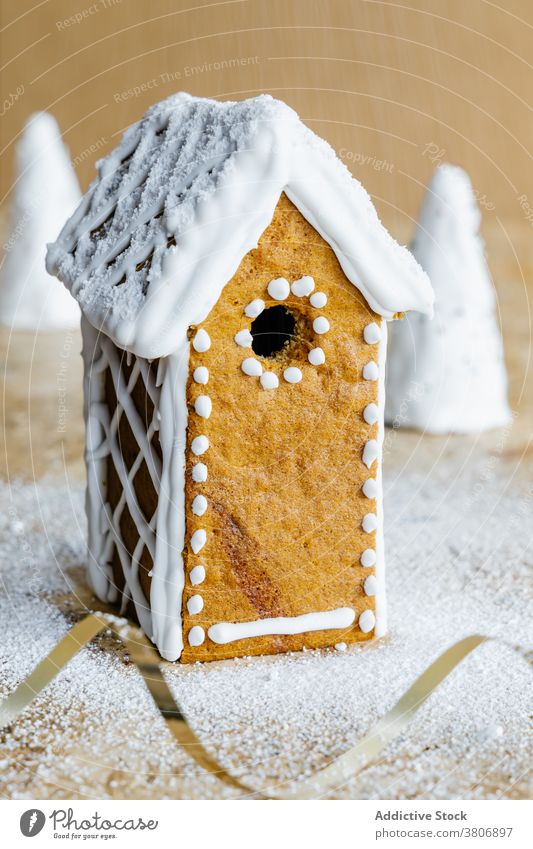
45, 193
447, 375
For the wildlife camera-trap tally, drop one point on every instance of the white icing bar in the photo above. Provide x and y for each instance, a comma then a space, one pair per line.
228, 632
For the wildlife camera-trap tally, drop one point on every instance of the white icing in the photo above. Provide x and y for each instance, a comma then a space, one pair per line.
316, 357
371, 453
201, 375
368, 558
449, 376
321, 324
292, 374
371, 414
199, 473
318, 300
199, 505
44, 192
369, 523
198, 540
372, 333
244, 338
379, 569
195, 604
269, 380
370, 585
367, 621
370, 488
252, 367
254, 308
228, 632
197, 575
279, 289
203, 406
371, 371
201, 341
199, 445
302, 287
341, 646
196, 636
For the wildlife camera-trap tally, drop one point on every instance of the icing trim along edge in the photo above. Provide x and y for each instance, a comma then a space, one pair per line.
229, 632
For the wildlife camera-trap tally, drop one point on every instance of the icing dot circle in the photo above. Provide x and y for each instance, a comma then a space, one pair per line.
368, 558
367, 620
279, 289
199, 505
370, 488
244, 338
370, 586
369, 523
199, 473
269, 380
316, 357
196, 636
197, 575
318, 300
199, 445
370, 453
371, 371
370, 414
201, 341
292, 374
195, 604
302, 287
203, 406
254, 308
372, 333
252, 367
198, 540
321, 324
200, 375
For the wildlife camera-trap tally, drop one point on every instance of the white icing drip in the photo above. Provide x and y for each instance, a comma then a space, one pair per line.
370, 585
228, 632
371, 414
199, 505
199, 445
196, 636
369, 523
318, 300
203, 406
368, 558
372, 333
198, 540
292, 374
371, 453
244, 338
302, 287
252, 367
195, 604
321, 324
254, 308
279, 289
199, 473
367, 620
371, 371
316, 357
201, 375
269, 380
197, 575
201, 341
370, 488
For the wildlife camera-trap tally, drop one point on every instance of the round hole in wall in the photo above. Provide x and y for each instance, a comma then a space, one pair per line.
272, 330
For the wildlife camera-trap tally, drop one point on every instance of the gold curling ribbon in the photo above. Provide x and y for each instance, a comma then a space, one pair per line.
326, 780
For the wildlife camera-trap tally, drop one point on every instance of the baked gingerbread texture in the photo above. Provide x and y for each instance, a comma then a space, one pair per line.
235, 284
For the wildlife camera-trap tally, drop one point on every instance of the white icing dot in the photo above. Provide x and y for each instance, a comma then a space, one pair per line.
201, 375
371, 585
196, 636
199, 445
370, 453
279, 289
201, 341
302, 287
254, 308
367, 620
341, 646
292, 374
369, 523
370, 414
244, 338
197, 575
368, 558
198, 540
370, 488
269, 380
195, 604
321, 324
203, 406
318, 300
316, 357
252, 367
199, 473
372, 333
199, 505
371, 371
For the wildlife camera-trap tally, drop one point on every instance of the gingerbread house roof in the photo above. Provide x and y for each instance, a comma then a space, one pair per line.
188, 192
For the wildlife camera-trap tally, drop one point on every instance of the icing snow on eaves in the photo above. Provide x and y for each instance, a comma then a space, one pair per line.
188, 192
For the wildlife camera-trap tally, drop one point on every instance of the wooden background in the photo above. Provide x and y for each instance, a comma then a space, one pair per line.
381, 80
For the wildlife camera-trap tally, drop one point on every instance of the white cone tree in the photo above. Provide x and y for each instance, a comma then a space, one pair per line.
45, 193
448, 375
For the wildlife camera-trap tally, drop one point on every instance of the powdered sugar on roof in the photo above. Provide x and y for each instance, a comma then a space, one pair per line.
188, 192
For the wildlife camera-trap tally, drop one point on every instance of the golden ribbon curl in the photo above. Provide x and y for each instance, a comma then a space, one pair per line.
324, 781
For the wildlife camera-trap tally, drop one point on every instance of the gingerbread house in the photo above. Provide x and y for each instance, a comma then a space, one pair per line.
235, 282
